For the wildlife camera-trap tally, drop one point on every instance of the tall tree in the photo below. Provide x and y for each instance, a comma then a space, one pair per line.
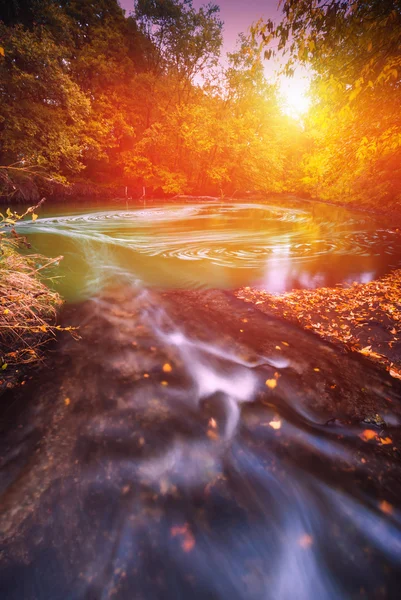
354, 50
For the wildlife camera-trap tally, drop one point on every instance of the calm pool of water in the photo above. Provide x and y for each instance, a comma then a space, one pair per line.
215, 245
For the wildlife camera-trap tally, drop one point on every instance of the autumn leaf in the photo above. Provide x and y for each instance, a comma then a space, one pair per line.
386, 507
385, 441
367, 435
395, 373
275, 424
271, 383
34, 216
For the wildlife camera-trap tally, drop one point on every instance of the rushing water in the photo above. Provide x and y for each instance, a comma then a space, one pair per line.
190, 446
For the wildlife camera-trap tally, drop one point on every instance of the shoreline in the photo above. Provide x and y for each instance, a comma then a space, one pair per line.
363, 318
120, 194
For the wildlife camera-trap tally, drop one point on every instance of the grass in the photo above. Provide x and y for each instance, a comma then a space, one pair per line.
28, 308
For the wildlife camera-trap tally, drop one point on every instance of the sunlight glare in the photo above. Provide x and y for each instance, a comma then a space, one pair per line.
294, 96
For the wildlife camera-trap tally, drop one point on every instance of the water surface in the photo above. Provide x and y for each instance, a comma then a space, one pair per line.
278, 246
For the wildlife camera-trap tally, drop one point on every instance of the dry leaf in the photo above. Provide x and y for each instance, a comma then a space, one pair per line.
386, 507
367, 435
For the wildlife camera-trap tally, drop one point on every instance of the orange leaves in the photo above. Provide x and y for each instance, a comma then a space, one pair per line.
183, 532
272, 383
367, 351
167, 368
394, 372
386, 507
369, 435
341, 315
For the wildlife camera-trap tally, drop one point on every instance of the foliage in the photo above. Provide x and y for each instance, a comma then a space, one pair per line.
140, 100
354, 51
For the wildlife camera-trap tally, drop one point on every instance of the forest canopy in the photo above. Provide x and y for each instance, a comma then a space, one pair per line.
89, 94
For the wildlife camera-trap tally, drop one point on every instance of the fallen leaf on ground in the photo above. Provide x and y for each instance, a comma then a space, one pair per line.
386, 507
367, 435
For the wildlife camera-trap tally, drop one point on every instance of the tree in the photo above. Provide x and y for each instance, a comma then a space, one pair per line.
42, 109
354, 50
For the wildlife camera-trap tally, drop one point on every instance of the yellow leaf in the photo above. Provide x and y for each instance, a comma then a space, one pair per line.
6, 311
34, 216
271, 383
167, 368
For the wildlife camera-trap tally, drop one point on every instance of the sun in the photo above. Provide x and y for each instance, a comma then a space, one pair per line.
295, 101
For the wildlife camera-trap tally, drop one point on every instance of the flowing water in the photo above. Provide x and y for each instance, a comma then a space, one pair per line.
190, 446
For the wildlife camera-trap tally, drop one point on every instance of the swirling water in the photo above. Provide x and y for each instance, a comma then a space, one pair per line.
277, 247
154, 462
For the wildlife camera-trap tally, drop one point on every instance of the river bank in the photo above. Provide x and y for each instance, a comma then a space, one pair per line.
28, 312
363, 318
90, 192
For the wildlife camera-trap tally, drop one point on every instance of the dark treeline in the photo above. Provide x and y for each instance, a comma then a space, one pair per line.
91, 96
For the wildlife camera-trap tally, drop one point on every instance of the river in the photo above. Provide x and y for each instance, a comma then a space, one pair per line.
190, 446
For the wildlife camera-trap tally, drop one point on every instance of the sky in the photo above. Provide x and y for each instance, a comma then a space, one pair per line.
237, 15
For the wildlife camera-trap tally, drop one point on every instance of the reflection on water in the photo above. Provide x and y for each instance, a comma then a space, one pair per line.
215, 245
156, 463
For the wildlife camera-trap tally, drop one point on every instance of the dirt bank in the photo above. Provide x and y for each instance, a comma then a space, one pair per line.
363, 318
